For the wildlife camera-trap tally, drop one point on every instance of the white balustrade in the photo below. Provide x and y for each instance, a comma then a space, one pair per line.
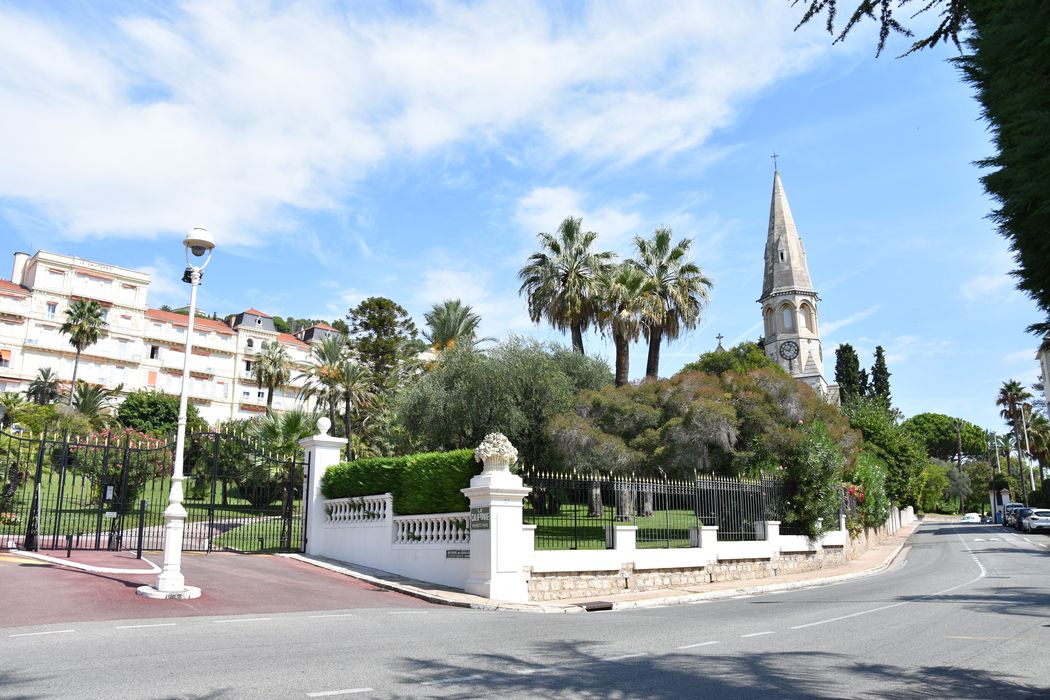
359, 509
442, 528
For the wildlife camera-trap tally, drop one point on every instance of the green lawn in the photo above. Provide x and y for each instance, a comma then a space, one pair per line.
572, 528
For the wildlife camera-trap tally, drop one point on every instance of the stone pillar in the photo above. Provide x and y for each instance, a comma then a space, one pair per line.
322, 451
497, 538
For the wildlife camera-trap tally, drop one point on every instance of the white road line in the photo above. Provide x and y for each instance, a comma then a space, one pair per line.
975, 579
755, 634
624, 656
37, 634
330, 693
457, 679
135, 627
408, 612
318, 617
244, 619
698, 644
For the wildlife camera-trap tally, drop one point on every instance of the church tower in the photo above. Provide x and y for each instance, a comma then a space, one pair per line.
789, 302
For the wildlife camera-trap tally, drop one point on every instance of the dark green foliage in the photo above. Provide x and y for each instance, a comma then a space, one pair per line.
932, 486
811, 480
904, 455
939, 433
157, 414
695, 422
382, 332
880, 376
870, 475
848, 373
422, 483
294, 325
741, 358
513, 389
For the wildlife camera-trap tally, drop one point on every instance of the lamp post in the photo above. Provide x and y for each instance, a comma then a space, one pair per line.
170, 582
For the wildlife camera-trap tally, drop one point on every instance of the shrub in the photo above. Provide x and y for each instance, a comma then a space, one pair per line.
870, 475
422, 483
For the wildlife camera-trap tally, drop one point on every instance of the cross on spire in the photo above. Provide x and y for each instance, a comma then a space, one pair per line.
774, 157
719, 336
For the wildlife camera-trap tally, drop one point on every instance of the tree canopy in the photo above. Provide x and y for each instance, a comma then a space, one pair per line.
157, 414
383, 335
940, 434
741, 358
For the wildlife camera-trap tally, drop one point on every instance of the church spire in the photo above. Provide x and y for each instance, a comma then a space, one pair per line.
786, 268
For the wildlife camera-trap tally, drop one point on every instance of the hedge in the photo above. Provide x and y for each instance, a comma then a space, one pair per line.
421, 483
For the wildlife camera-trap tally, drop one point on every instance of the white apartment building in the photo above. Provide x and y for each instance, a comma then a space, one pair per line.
142, 348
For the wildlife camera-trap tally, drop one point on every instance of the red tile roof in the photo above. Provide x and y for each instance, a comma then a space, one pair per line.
9, 286
183, 320
323, 327
257, 313
289, 339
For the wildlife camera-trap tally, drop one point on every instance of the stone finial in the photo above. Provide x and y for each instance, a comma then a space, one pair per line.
496, 452
323, 425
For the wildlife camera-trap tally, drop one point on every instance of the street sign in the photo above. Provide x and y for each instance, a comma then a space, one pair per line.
479, 518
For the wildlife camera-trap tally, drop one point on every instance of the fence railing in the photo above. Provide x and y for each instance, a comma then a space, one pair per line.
359, 509
442, 528
579, 512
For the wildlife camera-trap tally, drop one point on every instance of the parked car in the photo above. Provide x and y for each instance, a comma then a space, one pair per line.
971, 518
1009, 510
1037, 520
1019, 515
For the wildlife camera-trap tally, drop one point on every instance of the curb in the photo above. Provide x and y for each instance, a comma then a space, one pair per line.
439, 599
154, 569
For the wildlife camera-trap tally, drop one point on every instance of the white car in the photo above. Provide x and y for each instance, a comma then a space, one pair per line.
1039, 519
971, 518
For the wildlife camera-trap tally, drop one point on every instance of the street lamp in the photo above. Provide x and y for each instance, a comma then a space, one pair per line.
170, 582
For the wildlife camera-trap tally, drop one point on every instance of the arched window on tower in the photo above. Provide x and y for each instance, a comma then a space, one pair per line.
770, 325
809, 321
787, 317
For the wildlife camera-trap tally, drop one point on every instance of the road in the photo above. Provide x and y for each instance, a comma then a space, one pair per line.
966, 615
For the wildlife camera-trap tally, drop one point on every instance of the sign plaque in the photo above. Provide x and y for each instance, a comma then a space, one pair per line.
479, 518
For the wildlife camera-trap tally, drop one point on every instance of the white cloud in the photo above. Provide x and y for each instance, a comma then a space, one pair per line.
544, 208
241, 115
501, 311
1020, 356
829, 327
993, 281
906, 346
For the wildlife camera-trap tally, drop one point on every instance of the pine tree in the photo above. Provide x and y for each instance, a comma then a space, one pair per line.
880, 376
848, 373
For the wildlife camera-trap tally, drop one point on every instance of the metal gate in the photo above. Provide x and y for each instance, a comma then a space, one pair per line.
110, 492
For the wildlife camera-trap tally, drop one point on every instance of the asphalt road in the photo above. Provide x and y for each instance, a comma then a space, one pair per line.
967, 615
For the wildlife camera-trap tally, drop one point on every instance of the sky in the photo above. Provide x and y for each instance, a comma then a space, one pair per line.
413, 150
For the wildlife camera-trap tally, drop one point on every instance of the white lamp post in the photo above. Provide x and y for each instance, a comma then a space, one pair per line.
170, 582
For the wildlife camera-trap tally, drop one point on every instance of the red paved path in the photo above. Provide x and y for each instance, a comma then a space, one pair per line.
34, 593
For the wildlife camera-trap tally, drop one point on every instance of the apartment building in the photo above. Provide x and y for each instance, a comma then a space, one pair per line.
142, 347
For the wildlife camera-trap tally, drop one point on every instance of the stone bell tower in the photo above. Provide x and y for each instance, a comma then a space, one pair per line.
791, 334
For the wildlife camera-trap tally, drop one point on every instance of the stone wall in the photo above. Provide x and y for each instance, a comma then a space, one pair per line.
563, 585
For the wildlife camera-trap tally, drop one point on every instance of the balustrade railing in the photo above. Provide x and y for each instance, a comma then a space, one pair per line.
359, 509
442, 528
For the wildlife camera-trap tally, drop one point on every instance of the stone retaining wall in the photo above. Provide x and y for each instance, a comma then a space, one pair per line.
563, 585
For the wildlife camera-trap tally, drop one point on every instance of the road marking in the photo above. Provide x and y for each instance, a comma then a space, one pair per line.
408, 612
330, 693
37, 634
982, 639
318, 617
135, 627
698, 644
623, 656
457, 679
755, 634
244, 619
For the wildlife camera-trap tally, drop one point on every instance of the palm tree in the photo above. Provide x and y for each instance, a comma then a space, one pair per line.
626, 295
280, 434
355, 386
560, 281
85, 321
321, 376
272, 368
1039, 434
1012, 395
10, 401
44, 389
94, 401
452, 324
680, 291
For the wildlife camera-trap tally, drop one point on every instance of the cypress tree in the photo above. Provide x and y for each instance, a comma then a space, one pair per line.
880, 376
848, 373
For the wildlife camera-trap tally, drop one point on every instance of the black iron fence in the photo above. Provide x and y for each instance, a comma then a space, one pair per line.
110, 492
578, 512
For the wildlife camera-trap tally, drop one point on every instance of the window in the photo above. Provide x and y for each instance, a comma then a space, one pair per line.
246, 395
258, 321
154, 352
781, 255
250, 343
248, 366
122, 348
263, 345
202, 334
5, 358
808, 321
52, 310
788, 317
261, 395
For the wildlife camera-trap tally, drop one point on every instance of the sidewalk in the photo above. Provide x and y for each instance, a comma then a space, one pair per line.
871, 562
